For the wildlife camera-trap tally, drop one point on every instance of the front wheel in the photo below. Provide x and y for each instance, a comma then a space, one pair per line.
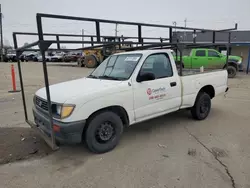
80, 62
232, 71
103, 132
202, 106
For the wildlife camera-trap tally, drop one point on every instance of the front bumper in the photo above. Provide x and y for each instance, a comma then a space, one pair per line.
69, 133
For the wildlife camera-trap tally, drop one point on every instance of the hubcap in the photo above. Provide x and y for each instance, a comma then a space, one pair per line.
105, 132
90, 62
204, 107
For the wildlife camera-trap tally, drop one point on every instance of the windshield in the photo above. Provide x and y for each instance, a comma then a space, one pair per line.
116, 67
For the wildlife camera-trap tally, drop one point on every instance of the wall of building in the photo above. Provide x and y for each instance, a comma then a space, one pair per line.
241, 51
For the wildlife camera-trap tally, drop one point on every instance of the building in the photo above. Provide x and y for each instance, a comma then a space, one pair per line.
240, 42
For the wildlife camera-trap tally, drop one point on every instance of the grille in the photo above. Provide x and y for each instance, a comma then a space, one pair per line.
41, 103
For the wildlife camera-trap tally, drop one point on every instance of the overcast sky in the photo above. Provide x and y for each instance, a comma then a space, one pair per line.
20, 15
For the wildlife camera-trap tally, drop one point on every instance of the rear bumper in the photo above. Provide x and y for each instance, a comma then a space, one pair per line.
227, 89
69, 133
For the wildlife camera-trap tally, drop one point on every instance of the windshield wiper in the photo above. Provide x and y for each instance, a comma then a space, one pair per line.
108, 77
92, 76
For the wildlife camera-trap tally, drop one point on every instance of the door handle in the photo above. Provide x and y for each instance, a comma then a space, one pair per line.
195, 58
172, 84
209, 58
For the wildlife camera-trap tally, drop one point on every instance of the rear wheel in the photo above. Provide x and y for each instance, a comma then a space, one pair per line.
232, 71
103, 132
90, 61
202, 106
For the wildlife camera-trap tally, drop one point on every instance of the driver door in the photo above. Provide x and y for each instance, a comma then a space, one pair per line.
214, 60
158, 96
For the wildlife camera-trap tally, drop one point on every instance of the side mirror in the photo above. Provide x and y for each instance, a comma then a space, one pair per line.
145, 77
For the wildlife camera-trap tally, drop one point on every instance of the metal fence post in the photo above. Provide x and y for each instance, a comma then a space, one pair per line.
228, 46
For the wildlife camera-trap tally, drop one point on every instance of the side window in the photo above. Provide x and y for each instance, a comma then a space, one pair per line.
212, 53
200, 53
159, 65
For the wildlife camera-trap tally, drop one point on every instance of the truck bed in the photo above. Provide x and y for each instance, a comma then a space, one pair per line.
188, 72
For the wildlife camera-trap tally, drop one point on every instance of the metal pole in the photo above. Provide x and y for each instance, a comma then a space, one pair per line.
97, 25
92, 40
213, 36
139, 34
248, 63
58, 42
82, 37
194, 36
22, 88
180, 49
46, 80
228, 46
1, 32
20, 78
170, 34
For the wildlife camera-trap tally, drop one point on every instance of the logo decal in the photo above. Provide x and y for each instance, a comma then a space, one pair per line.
157, 93
149, 91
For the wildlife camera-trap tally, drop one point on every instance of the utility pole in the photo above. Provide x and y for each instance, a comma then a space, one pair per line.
174, 23
116, 30
1, 34
82, 37
185, 34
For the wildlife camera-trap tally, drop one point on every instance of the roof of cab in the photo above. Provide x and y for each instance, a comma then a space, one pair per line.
145, 52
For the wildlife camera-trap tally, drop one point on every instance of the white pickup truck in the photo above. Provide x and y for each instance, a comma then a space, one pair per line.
124, 89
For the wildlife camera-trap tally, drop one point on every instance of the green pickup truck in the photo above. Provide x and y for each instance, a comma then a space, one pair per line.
210, 59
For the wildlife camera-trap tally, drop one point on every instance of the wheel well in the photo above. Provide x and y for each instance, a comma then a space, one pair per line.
120, 111
231, 64
209, 90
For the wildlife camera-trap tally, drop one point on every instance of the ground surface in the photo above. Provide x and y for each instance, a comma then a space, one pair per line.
170, 151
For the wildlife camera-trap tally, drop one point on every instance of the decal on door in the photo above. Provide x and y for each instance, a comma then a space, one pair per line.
156, 94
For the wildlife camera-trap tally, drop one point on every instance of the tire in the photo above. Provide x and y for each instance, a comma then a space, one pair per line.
90, 61
80, 62
93, 135
198, 111
232, 71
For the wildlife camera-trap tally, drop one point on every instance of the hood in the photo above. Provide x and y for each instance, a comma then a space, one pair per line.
64, 91
234, 57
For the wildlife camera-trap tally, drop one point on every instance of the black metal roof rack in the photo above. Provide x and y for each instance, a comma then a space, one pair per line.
95, 42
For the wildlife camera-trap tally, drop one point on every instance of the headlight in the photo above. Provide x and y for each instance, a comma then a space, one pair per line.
62, 110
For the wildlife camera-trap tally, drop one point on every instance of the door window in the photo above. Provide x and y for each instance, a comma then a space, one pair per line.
159, 65
200, 53
212, 53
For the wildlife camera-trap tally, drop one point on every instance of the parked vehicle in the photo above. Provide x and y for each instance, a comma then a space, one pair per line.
57, 58
31, 57
10, 57
126, 88
210, 58
71, 57
93, 57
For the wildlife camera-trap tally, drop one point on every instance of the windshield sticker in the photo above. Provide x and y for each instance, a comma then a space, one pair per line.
132, 58
156, 94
